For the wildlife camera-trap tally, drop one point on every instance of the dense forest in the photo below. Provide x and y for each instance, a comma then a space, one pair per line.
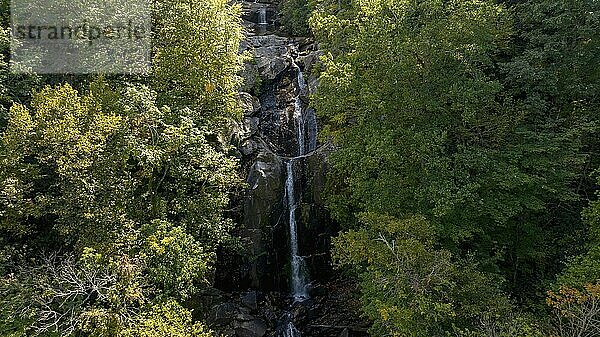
457, 159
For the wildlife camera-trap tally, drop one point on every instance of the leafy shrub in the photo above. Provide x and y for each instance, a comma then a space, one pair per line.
294, 17
576, 312
166, 320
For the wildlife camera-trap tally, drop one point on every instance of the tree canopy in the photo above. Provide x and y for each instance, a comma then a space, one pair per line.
113, 188
478, 117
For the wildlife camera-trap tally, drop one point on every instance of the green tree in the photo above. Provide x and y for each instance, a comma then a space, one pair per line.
584, 269
107, 172
113, 189
550, 77
476, 117
410, 288
294, 16
196, 58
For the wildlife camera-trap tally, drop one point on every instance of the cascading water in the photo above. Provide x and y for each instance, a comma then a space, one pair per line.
291, 331
262, 16
298, 120
299, 77
298, 268
261, 28
297, 262
286, 176
299, 109
287, 328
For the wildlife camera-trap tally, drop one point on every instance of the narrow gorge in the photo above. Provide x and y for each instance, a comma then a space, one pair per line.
281, 282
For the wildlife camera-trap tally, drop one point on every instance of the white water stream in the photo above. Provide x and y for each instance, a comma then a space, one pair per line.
297, 262
262, 16
298, 267
299, 273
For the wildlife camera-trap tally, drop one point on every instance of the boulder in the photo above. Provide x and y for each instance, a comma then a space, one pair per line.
250, 104
250, 300
251, 328
270, 57
262, 210
223, 313
269, 62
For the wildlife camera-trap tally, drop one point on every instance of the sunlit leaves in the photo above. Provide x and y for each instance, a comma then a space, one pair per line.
111, 173
410, 288
168, 319
196, 50
175, 260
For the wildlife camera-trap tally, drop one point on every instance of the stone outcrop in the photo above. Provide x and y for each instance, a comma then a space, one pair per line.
330, 313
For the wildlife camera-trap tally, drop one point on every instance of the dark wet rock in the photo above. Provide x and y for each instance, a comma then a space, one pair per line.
268, 59
309, 59
250, 300
330, 311
251, 328
248, 147
223, 313
271, 61
243, 315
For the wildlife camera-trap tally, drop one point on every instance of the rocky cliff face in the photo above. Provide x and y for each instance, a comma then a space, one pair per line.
278, 124
266, 139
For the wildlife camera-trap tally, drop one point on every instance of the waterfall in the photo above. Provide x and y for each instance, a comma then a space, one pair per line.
299, 109
287, 328
299, 121
262, 16
297, 261
298, 266
300, 78
291, 331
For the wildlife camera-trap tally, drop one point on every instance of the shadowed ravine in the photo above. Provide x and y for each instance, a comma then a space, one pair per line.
282, 282
299, 271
